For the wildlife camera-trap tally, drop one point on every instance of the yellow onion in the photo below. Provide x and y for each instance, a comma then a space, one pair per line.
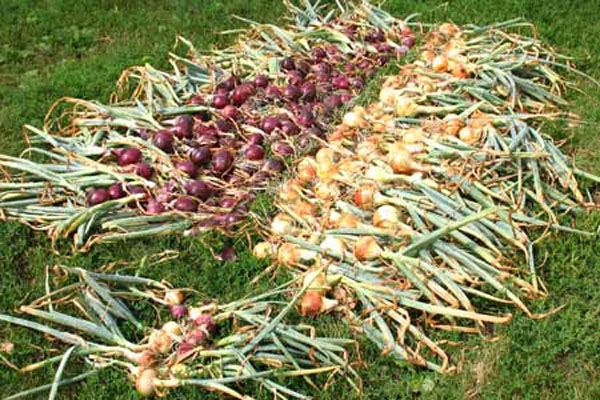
405, 107
386, 217
377, 173
144, 359
367, 248
388, 96
440, 64
325, 155
348, 221
326, 191
172, 328
145, 383
287, 254
367, 151
290, 190
306, 169
413, 135
282, 224
180, 371
174, 297
469, 135
364, 194
448, 29
333, 245
304, 208
263, 250
401, 161
332, 218
160, 341
311, 303
427, 56
453, 124
315, 281
459, 70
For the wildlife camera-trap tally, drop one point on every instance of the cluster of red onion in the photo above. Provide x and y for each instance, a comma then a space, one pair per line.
247, 128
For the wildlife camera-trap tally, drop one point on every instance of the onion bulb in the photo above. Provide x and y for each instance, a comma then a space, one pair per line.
180, 371
325, 156
453, 124
174, 297
405, 107
469, 135
311, 303
306, 169
364, 195
172, 328
413, 135
386, 217
440, 64
348, 221
290, 190
388, 96
144, 384
334, 246
355, 118
282, 225
315, 281
327, 191
401, 161
263, 250
448, 29
367, 151
160, 341
367, 248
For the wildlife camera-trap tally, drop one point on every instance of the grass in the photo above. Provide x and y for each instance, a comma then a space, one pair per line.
78, 48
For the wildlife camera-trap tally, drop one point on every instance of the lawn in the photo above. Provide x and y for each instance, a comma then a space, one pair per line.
58, 48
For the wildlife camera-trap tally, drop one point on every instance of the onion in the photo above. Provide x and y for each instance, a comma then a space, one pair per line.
273, 92
132, 189
290, 190
206, 321
263, 250
311, 303
230, 112
341, 82
405, 107
227, 84
186, 204
116, 191
98, 196
224, 125
282, 225
306, 119
144, 170
326, 191
200, 155
306, 169
439, 64
273, 165
164, 140
367, 248
288, 64
144, 384
358, 83
469, 135
364, 196
129, 156
289, 128
254, 152
172, 328
292, 92
401, 161
295, 78
408, 41
334, 246
269, 124
346, 97
197, 100
198, 189
178, 311
154, 207
228, 254
332, 101
174, 296
386, 217
261, 81
282, 149
220, 101
348, 221
187, 167
309, 91
160, 341
184, 125
355, 118
318, 53
222, 161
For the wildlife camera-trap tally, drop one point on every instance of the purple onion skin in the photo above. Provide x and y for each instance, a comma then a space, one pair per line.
178, 311
227, 202
222, 161
186, 204
207, 322
116, 191
408, 41
164, 140
229, 112
98, 196
346, 98
254, 152
197, 100
261, 81
144, 170
131, 189
200, 155
198, 189
309, 91
292, 92
289, 128
129, 156
187, 167
332, 101
220, 101
402, 50
209, 139
195, 337
228, 254
341, 82
273, 92
295, 78
282, 149
224, 125
238, 97
305, 119
288, 64
319, 53
273, 165
269, 124
227, 84
256, 138
184, 126
154, 207
358, 83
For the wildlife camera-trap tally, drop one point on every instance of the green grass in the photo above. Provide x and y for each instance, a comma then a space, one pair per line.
79, 48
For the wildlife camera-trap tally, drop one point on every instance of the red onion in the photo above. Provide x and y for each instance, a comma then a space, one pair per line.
349, 68
282, 149
186, 204
318, 53
129, 156
196, 337
269, 124
321, 68
332, 101
227, 84
220, 101
273, 92
238, 96
382, 60
227, 202
116, 191
232, 218
304, 141
358, 83
346, 97
200, 155
209, 139
228, 254
184, 348
376, 36
295, 78
154, 207
224, 125
184, 125
408, 41
164, 140
178, 311
229, 112
306, 119
221, 161
384, 47
288, 64
187, 167
292, 92
341, 82
254, 152
198, 189
273, 165
256, 138
261, 81
289, 128
207, 322
98, 196
364, 64
402, 50
309, 91
144, 170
